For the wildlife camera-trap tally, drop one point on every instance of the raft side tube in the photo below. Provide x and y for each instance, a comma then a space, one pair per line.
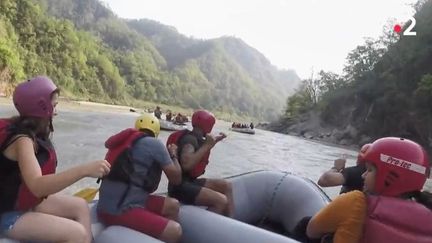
200, 225
278, 196
118, 234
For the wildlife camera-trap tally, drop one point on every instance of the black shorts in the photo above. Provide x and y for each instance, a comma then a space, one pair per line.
187, 191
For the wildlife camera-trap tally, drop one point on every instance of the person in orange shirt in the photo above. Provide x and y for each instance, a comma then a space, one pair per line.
391, 207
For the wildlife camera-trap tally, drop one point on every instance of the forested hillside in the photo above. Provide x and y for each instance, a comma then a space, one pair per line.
385, 90
93, 54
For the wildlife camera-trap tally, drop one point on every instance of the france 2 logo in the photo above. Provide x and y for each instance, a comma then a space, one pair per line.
409, 30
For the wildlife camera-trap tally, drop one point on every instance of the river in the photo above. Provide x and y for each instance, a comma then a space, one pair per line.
79, 137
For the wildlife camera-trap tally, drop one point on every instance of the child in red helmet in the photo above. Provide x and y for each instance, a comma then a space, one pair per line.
391, 207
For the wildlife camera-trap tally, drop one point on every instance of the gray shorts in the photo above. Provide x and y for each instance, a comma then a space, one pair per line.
187, 191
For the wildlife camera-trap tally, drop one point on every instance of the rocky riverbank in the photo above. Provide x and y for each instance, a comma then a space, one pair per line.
310, 126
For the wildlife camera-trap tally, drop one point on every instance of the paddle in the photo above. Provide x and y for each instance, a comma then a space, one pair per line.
87, 194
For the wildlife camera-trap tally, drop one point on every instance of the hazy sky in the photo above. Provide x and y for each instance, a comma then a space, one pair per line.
294, 34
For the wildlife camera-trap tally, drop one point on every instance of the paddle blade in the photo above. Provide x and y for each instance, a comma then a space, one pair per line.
87, 194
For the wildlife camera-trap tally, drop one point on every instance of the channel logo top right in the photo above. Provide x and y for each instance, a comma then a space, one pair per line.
409, 30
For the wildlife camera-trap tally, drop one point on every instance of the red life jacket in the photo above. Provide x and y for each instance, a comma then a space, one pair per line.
14, 194
396, 220
122, 168
5, 132
199, 168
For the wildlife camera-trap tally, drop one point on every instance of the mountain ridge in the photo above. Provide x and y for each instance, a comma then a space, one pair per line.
122, 60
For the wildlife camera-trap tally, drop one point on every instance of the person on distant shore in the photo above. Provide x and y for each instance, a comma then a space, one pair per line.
158, 112
30, 208
392, 206
168, 115
138, 159
194, 151
251, 125
349, 178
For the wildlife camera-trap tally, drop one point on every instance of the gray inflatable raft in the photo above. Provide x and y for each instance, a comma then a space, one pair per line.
170, 126
280, 198
263, 198
247, 130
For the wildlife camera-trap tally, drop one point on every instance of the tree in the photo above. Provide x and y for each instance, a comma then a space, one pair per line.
329, 81
423, 93
363, 59
388, 37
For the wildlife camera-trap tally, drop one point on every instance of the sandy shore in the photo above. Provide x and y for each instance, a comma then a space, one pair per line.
66, 104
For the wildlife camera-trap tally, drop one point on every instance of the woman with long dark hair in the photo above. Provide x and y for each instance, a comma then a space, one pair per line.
29, 207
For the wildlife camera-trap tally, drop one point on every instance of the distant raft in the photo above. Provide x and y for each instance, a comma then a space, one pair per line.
169, 126
247, 130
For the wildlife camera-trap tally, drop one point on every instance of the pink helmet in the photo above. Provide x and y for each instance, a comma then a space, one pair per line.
203, 120
33, 97
361, 154
401, 165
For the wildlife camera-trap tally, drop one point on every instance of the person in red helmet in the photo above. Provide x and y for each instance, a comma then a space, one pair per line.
29, 208
193, 152
391, 207
350, 178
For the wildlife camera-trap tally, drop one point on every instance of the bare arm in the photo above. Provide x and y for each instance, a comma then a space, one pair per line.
44, 185
173, 170
189, 157
331, 178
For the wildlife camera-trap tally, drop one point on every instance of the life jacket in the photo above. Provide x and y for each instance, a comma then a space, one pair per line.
199, 168
122, 164
396, 220
14, 194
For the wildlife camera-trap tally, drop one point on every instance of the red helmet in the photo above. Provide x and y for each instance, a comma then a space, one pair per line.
401, 165
204, 120
33, 97
360, 156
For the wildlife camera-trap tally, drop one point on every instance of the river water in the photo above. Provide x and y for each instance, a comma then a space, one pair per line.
79, 137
